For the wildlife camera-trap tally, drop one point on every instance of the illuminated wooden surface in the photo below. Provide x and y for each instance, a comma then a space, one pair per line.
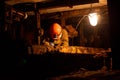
70, 49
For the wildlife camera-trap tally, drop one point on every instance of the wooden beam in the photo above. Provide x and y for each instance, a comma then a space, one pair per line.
75, 7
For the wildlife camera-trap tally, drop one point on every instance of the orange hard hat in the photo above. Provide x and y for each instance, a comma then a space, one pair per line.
55, 30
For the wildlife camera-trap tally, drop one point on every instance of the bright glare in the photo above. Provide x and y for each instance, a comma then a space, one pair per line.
93, 19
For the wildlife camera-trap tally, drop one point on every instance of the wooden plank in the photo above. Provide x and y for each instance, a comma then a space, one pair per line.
37, 49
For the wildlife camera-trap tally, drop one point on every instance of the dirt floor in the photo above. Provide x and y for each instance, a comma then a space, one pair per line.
59, 67
81, 74
89, 75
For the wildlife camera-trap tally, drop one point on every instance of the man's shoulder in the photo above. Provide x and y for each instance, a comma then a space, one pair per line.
64, 30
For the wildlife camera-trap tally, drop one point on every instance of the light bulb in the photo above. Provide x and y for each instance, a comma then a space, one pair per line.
93, 19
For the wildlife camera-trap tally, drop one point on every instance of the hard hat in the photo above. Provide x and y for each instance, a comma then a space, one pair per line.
55, 31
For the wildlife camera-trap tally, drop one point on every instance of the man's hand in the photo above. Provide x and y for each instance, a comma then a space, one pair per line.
56, 48
50, 48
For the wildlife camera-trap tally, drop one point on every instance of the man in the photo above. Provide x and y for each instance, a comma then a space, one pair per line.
57, 36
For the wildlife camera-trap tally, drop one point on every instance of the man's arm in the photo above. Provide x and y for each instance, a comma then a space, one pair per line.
65, 38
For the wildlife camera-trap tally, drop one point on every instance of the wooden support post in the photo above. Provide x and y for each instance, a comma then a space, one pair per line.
38, 27
38, 24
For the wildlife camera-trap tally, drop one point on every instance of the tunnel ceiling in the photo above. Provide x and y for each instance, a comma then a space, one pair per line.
30, 5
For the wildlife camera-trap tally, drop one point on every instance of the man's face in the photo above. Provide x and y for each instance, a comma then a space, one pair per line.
56, 36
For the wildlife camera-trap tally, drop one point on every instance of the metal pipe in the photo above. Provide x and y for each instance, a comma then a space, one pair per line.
20, 13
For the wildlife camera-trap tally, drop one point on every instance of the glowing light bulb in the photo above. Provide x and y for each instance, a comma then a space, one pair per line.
93, 19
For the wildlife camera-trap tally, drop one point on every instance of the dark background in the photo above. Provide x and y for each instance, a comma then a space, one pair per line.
114, 26
8, 49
